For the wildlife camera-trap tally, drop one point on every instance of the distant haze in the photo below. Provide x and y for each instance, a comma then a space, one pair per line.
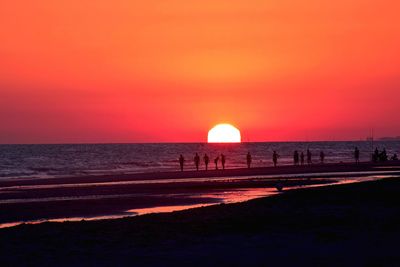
168, 71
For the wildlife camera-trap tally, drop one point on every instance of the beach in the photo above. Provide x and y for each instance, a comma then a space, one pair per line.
345, 225
115, 196
75, 198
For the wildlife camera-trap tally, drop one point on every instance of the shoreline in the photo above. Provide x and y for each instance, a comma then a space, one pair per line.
279, 170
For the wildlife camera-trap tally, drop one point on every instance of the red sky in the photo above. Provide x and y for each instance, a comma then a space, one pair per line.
167, 71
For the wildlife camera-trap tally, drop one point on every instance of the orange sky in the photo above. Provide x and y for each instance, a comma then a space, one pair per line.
156, 71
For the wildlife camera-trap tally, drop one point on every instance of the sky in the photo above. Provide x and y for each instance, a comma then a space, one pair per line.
100, 71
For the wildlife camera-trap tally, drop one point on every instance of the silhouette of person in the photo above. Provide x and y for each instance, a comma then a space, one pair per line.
181, 161
206, 160
383, 156
296, 158
223, 161
394, 157
309, 155
197, 161
248, 159
302, 158
357, 155
375, 156
275, 157
216, 162
322, 156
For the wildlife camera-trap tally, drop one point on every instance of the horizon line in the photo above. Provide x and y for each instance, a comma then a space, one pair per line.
204, 142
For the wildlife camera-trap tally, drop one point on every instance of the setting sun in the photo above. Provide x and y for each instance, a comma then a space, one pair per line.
224, 133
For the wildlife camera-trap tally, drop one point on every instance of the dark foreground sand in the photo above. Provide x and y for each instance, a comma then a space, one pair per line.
343, 225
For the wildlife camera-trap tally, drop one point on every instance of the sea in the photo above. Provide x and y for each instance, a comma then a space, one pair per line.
63, 160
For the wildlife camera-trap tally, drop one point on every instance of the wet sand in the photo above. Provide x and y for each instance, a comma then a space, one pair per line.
343, 225
280, 170
26, 203
98, 196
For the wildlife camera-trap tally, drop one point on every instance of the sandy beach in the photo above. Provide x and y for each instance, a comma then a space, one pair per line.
31, 200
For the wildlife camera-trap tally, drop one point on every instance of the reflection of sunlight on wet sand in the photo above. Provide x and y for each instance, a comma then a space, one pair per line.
167, 208
231, 196
239, 195
129, 213
69, 219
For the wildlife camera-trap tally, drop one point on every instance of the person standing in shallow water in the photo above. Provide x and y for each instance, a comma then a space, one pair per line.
223, 161
302, 158
296, 158
309, 161
216, 162
375, 156
206, 160
197, 161
383, 156
275, 157
357, 155
248, 159
181, 161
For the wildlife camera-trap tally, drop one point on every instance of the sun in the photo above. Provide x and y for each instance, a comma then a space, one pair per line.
224, 133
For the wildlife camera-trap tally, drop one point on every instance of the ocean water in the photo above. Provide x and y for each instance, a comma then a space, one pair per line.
41, 161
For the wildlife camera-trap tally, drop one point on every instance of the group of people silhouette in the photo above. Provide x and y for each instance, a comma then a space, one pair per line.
298, 158
382, 156
206, 160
